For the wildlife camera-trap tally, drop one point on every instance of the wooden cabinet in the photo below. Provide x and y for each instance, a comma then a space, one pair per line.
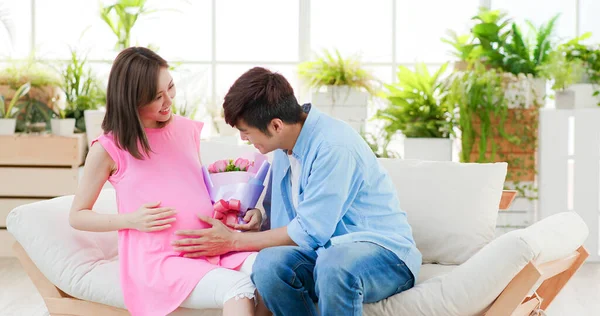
35, 168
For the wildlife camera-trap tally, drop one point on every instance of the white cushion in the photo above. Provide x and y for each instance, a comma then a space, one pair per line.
472, 287
451, 207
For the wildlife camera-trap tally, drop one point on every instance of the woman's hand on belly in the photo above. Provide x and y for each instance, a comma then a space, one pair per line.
151, 218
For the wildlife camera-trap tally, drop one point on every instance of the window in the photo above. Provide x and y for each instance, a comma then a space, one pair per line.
540, 12
182, 30
18, 17
258, 30
354, 27
422, 24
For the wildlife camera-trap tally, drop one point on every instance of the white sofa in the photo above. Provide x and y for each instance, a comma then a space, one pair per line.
451, 207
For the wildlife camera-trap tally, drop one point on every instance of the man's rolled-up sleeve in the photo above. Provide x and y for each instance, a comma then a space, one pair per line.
331, 188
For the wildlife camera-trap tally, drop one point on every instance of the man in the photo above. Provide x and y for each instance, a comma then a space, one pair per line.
338, 235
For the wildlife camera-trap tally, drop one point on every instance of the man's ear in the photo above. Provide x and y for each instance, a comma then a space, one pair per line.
276, 125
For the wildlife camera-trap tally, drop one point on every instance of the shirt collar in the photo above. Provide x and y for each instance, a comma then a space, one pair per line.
305, 136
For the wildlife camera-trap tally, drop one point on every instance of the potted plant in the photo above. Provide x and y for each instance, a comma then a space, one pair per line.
563, 73
499, 43
341, 87
587, 89
490, 131
83, 93
419, 109
61, 124
8, 121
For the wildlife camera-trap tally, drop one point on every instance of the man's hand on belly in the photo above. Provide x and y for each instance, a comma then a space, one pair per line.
217, 240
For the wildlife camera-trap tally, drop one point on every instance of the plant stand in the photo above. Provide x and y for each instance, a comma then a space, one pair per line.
35, 168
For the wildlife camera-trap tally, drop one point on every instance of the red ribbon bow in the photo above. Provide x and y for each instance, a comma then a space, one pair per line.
226, 212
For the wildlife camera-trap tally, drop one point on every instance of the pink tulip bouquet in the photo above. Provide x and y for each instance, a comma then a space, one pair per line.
235, 186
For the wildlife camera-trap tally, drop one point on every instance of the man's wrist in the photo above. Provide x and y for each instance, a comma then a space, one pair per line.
236, 241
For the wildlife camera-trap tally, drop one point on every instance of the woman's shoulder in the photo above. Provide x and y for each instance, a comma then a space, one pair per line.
187, 123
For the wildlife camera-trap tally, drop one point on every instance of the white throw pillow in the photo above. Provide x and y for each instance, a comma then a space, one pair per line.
451, 207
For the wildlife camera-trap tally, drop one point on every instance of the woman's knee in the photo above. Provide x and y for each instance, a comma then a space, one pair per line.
242, 288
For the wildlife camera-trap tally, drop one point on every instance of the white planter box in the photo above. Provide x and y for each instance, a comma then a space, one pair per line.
525, 93
344, 103
584, 97
435, 149
63, 127
93, 124
7, 126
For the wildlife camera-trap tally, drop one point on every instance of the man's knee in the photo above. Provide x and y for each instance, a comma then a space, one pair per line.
271, 265
333, 273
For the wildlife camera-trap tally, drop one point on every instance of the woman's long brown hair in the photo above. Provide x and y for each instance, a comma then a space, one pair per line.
132, 83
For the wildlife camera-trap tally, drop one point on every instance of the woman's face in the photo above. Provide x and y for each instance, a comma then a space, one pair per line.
159, 110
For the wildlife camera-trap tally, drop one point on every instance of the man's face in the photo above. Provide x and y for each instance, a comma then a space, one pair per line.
261, 141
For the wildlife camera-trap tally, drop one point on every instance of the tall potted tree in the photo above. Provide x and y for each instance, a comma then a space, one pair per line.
341, 87
419, 109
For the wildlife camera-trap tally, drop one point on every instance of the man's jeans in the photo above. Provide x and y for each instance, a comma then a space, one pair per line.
341, 278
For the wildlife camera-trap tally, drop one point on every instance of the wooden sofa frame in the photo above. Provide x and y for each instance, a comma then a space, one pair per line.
514, 300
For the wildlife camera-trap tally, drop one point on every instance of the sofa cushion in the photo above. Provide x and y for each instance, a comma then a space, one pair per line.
451, 207
472, 287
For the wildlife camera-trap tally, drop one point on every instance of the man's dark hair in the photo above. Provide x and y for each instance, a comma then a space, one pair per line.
258, 97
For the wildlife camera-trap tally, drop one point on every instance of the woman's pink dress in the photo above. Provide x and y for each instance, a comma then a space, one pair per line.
156, 279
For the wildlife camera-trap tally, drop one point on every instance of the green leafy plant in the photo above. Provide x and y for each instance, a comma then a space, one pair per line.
334, 70
562, 71
121, 18
31, 70
417, 104
34, 117
490, 32
498, 42
379, 143
182, 108
82, 90
479, 95
526, 54
588, 54
12, 109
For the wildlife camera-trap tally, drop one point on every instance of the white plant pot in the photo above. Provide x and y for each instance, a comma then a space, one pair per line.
584, 96
434, 149
344, 103
565, 99
93, 124
63, 127
7, 126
